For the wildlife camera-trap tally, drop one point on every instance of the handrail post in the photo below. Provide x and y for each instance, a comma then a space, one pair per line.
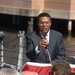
2, 48
21, 44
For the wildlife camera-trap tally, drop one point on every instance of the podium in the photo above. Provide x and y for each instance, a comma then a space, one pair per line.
41, 68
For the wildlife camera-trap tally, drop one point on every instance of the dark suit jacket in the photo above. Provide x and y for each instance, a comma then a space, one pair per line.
56, 47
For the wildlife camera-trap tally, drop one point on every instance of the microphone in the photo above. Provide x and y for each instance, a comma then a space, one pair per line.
43, 36
46, 39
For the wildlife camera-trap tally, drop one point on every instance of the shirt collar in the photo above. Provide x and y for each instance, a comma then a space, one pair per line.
42, 34
48, 32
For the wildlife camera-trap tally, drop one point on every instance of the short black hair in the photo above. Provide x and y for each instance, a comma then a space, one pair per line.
43, 15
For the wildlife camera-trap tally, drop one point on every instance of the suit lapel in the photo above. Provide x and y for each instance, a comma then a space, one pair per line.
37, 38
50, 42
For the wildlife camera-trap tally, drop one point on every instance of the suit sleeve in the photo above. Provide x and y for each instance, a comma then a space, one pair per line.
30, 48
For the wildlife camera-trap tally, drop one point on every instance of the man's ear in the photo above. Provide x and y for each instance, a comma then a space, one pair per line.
54, 73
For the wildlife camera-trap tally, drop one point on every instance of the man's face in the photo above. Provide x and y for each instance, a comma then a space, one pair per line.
44, 24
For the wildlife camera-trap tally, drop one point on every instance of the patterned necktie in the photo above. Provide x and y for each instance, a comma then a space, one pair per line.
48, 57
46, 51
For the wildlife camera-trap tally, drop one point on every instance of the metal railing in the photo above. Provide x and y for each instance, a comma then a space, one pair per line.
12, 50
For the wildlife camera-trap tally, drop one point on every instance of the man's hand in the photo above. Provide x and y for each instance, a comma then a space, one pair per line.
43, 43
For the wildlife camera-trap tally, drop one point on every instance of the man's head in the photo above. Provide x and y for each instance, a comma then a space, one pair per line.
29, 73
61, 68
8, 71
44, 22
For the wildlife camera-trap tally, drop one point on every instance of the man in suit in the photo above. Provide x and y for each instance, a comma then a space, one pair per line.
37, 42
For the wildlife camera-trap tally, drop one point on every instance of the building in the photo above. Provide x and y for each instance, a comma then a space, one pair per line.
22, 10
